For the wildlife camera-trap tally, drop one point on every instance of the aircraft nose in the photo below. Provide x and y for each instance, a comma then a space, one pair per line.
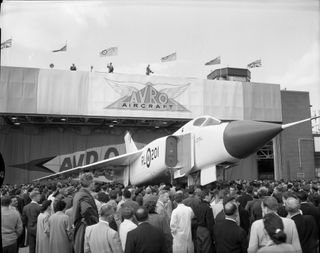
242, 138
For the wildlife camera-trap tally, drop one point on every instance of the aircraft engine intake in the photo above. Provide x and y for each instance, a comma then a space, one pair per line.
171, 152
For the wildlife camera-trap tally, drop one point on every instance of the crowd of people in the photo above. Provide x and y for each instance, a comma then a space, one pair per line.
223, 217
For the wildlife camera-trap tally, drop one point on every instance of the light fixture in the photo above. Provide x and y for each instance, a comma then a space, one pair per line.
115, 121
63, 119
17, 123
156, 127
13, 118
111, 125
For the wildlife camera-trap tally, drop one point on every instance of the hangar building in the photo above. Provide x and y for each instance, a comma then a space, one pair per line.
52, 120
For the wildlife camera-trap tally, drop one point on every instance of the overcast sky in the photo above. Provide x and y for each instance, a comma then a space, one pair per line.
284, 34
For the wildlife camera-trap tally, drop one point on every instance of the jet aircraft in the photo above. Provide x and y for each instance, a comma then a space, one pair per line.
197, 147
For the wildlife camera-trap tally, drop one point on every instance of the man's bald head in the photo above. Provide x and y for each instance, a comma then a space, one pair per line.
292, 205
141, 214
230, 208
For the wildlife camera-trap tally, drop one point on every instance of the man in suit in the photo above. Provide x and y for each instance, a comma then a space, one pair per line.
306, 226
229, 237
254, 206
308, 208
243, 219
84, 211
29, 218
258, 236
205, 222
145, 238
110, 68
100, 238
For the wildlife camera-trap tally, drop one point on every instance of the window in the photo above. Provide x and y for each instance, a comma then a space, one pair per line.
211, 122
199, 121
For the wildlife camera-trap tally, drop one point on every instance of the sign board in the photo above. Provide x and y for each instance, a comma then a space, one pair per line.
60, 92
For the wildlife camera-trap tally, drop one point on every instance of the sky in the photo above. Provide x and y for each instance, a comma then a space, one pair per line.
284, 34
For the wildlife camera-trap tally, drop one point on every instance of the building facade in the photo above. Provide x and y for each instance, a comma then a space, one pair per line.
53, 120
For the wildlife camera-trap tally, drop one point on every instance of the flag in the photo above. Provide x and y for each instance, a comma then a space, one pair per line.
255, 64
111, 51
214, 61
63, 49
170, 57
6, 44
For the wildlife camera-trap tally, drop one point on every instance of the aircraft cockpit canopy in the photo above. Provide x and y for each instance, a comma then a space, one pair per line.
199, 122
206, 121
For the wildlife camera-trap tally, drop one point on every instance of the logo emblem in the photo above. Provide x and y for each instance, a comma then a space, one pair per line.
148, 97
148, 158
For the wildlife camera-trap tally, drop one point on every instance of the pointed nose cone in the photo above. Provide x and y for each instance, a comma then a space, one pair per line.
242, 138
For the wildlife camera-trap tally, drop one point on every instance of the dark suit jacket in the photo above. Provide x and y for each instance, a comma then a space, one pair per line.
244, 198
30, 216
310, 209
145, 239
254, 209
307, 231
229, 237
244, 219
204, 216
160, 222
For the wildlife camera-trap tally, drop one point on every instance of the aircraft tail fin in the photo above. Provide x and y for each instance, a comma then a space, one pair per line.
130, 145
298, 122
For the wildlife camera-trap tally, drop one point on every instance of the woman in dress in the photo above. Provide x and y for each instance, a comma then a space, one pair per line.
42, 240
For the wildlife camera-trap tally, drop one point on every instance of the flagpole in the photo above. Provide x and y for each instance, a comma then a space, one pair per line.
10, 52
67, 52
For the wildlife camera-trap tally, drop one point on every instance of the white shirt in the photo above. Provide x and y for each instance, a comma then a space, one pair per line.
125, 227
52, 201
216, 207
228, 218
98, 204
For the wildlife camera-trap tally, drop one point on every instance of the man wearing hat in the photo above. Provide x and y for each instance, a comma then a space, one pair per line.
258, 236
